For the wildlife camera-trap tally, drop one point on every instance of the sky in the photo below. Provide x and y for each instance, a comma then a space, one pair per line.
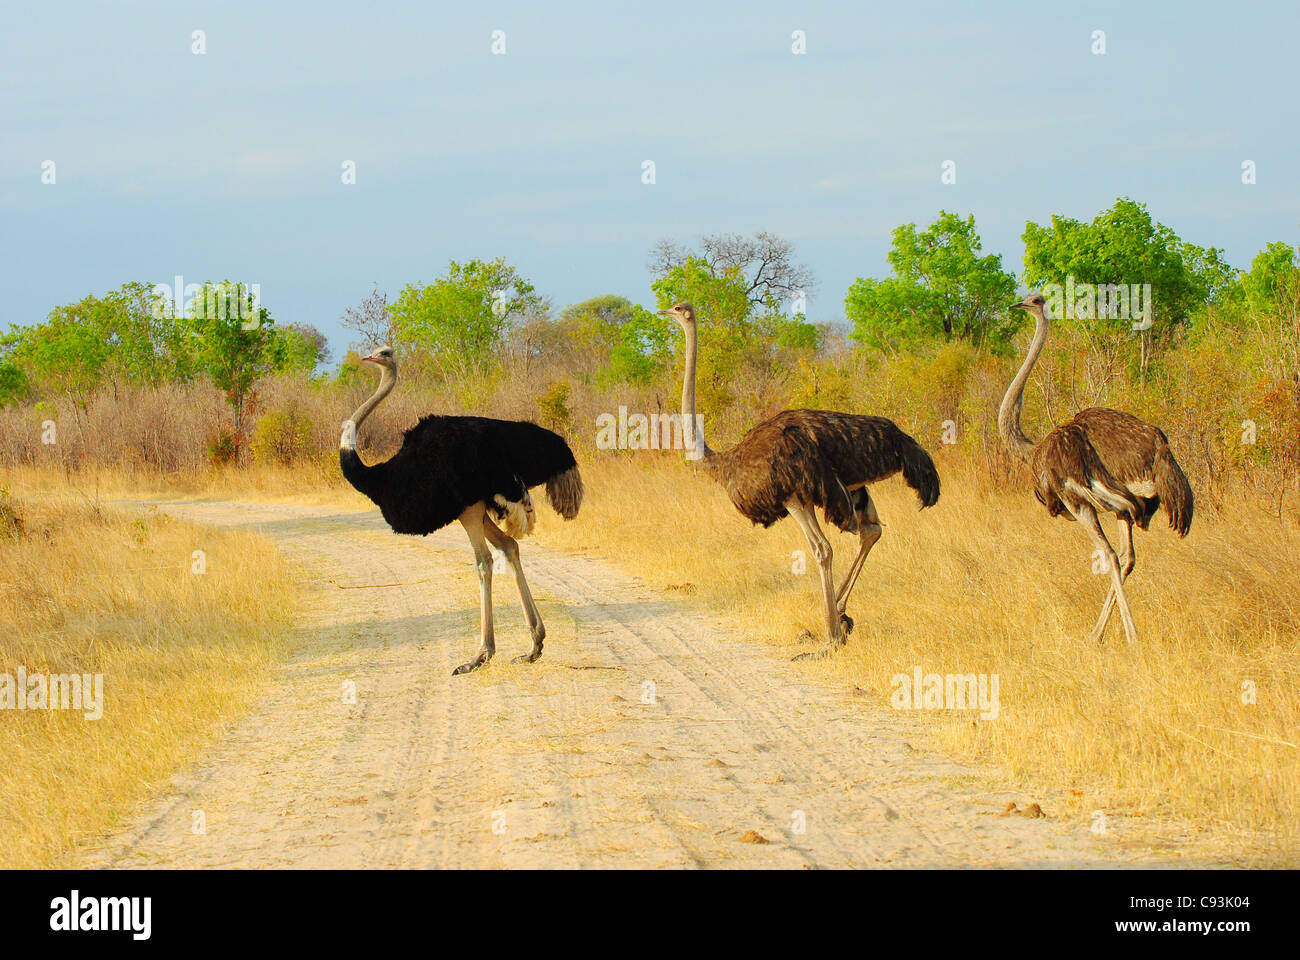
228, 164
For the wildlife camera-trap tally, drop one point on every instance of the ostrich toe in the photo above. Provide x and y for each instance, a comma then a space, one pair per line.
483, 657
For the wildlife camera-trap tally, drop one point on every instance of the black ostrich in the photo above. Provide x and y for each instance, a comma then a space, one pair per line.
472, 469
799, 460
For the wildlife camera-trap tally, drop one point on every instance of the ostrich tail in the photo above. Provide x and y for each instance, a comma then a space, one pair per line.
564, 491
1174, 491
919, 471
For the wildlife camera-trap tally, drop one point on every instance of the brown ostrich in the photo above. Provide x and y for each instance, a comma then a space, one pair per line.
799, 460
1102, 460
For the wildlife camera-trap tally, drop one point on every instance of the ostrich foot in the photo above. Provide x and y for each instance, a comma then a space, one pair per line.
531, 657
846, 622
483, 657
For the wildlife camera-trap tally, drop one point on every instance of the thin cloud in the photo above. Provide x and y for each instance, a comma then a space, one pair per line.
269, 162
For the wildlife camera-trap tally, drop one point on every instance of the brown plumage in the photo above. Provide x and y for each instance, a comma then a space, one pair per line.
1102, 460
799, 460
818, 457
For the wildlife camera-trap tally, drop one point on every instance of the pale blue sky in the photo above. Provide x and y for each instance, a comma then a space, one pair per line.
227, 165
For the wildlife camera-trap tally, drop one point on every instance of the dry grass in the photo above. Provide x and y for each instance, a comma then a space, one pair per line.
985, 582
309, 481
87, 589
1155, 734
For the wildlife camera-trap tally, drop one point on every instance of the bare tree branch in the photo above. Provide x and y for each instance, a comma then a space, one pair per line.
370, 320
765, 260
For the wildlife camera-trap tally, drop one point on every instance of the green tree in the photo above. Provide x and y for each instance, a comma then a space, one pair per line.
13, 381
460, 320
739, 333
642, 349
1273, 278
1125, 246
68, 353
942, 287
725, 311
594, 323
234, 341
299, 348
117, 337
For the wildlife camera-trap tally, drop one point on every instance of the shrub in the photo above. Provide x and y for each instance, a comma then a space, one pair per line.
554, 407
281, 436
223, 447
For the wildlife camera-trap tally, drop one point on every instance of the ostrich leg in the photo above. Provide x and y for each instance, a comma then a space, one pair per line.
869, 531
472, 520
821, 548
1087, 518
510, 547
1127, 561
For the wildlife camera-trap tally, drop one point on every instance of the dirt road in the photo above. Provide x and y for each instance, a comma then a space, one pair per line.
646, 736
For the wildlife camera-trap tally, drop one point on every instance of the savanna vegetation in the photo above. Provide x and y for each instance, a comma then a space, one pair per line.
181, 624
1194, 725
140, 384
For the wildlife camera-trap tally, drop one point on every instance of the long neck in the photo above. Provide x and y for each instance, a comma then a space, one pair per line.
692, 426
348, 442
1009, 413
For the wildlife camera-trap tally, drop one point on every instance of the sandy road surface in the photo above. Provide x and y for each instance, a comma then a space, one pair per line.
561, 763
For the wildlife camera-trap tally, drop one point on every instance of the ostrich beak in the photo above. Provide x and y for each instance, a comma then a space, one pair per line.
665, 313
1022, 305
370, 359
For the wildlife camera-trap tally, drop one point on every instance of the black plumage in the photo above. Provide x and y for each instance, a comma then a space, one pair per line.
477, 471
446, 464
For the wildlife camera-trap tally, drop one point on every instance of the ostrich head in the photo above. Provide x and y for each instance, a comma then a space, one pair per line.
683, 313
382, 357
1035, 303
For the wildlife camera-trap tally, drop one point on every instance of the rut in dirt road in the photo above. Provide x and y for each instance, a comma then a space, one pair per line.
646, 736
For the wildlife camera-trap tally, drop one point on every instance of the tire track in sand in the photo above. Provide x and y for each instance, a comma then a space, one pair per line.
559, 763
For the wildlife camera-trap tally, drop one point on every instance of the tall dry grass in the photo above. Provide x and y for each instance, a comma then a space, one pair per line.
1203, 390
92, 590
1160, 735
